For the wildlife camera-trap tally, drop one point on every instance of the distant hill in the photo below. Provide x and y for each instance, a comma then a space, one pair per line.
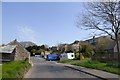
27, 44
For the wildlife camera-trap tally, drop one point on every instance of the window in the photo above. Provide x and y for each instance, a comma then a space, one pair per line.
63, 55
72, 55
5, 56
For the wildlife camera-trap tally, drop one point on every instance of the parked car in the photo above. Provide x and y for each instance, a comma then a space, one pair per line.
52, 57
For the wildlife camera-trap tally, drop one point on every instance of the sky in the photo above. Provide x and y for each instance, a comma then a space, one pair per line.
48, 23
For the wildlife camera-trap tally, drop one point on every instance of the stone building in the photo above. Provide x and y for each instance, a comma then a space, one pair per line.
13, 51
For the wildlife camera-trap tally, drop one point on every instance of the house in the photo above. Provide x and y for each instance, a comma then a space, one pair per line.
13, 51
75, 46
96, 40
112, 49
54, 48
61, 47
68, 47
65, 56
44, 53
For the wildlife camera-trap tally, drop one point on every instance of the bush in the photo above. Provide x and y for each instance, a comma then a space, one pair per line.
15, 69
77, 56
87, 59
83, 57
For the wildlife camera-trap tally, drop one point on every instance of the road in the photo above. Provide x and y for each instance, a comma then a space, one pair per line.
51, 69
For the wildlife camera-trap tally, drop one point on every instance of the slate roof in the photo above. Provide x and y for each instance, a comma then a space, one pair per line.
75, 42
7, 49
19, 46
14, 42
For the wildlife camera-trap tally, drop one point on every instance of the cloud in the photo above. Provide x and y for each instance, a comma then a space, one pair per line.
26, 34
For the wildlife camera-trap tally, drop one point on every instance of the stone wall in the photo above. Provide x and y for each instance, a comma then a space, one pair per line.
12, 56
21, 53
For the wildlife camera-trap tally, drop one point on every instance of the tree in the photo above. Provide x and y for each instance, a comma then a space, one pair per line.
37, 49
33, 51
42, 46
102, 45
105, 17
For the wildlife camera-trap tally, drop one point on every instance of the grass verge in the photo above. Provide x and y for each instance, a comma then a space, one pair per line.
67, 61
0, 71
108, 67
73, 60
14, 70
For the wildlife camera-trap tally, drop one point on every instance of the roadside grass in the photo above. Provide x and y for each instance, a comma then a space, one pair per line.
87, 59
112, 67
67, 61
0, 71
15, 69
73, 60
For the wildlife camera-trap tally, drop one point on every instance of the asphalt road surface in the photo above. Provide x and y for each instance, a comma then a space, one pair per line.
51, 69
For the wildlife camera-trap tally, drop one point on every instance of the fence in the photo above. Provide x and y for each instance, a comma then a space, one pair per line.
106, 56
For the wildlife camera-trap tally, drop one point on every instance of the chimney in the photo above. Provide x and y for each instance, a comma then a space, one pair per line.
15, 40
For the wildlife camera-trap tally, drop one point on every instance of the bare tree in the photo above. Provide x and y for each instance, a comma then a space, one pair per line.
103, 16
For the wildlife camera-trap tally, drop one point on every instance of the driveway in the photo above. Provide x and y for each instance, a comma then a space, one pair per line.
51, 69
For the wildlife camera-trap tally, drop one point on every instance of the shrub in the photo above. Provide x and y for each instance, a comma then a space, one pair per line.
83, 57
77, 56
87, 59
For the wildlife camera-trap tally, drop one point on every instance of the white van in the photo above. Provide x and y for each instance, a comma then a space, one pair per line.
65, 56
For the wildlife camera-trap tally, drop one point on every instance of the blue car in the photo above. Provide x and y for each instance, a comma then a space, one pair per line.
52, 57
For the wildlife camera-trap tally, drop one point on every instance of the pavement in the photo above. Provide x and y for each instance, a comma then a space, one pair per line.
51, 69
97, 73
